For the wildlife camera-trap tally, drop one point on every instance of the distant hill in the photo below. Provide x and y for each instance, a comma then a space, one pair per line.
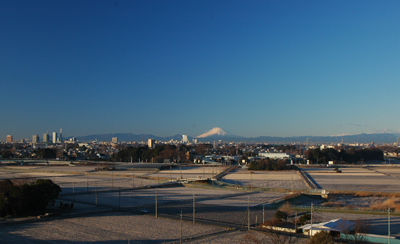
210, 137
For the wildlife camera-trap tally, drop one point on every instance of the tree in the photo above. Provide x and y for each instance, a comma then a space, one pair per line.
281, 215
21, 200
356, 234
322, 237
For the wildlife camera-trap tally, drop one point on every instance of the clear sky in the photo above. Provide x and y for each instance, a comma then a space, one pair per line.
253, 68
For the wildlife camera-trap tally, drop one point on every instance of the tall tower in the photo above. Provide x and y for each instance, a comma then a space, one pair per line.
9, 139
54, 137
114, 140
151, 143
60, 138
35, 139
46, 137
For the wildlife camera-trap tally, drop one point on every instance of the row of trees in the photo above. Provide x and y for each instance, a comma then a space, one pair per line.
271, 164
348, 156
25, 199
158, 154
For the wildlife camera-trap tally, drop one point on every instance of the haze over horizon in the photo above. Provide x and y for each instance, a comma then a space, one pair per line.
253, 68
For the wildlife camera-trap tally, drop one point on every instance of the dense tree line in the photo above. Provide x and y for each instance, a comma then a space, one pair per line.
22, 200
271, 164
346, 156
158, 154
45, 153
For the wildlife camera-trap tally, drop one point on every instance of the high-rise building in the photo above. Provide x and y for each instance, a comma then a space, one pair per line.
151, 143
46, 137
54, 137
35, 139
60, 138
194, 140
114, 140
9, 139
185, 139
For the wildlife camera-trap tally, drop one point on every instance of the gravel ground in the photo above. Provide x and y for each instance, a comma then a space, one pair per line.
111, 227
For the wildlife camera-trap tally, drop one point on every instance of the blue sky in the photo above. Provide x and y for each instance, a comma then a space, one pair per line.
253, 68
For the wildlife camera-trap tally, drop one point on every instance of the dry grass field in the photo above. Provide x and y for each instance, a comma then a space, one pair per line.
214, 206
353, 179
266, 179
112, 227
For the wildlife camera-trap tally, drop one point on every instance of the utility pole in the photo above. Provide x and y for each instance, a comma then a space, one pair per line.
181, 228
389, 225
194, 209
156, 203
311, 220
248, 211
263, 213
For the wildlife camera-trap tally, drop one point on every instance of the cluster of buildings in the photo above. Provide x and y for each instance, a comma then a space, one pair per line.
56, 138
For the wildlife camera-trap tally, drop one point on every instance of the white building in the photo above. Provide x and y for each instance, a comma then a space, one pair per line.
275, 155
54, 137
185, 139
151, 143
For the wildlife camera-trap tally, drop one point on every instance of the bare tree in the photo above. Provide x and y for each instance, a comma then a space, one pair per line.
356, 235
281, 238
250, 238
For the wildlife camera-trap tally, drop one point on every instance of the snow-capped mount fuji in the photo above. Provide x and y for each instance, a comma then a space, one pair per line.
216, 131
216, 134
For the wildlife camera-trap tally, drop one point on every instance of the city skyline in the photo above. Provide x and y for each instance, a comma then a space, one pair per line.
253, 68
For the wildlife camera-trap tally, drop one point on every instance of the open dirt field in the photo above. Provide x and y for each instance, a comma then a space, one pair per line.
266, 179
353, 179
392, 171
112, 227
190, 172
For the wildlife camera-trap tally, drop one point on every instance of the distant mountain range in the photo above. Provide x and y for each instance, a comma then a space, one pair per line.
217, 134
